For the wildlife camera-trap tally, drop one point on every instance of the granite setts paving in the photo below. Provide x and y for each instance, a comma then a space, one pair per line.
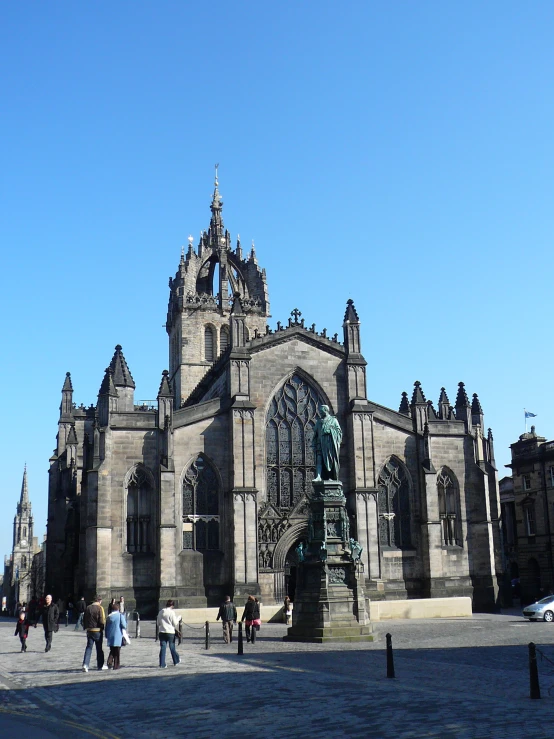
455, 679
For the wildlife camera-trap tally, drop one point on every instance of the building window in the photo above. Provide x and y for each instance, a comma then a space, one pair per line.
530, 523
449, 508
394, 506
289, 434
24, 532
209, 344
527, 482
139, 501
551, 476
200, 506
23, 562
223, 339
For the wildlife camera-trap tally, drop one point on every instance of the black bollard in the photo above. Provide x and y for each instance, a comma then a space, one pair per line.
207, 634
390, 657
240, 647
535, 691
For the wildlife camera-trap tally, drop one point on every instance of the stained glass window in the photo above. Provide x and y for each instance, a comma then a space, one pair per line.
200, 506
289, 441
394, 506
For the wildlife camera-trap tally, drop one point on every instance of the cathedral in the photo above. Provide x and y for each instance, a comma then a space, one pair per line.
205, 492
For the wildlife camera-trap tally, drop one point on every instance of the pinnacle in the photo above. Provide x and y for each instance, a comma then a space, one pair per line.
165, 386
476, 405
443, 397
72, 436
121, 375
67, 383
461, 399
351, 314
108, 387
404, 405
418, 395
237, 304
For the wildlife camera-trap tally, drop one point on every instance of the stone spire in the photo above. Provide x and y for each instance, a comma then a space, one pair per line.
165, 387
216, 222
444, 405
24, 499
351, 328
477, 415
66, 407
418, 395
418, 408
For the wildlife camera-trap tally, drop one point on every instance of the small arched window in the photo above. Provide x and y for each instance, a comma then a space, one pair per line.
200, 506
139, 515
24, 532
394, 506
209, 344
449, 508
23, 562
223, 339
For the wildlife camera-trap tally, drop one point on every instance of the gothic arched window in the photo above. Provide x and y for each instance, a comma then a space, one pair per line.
23, 562
24, 532
200, 506
289, 441
394, 506
139, 514
209, 344
449, 508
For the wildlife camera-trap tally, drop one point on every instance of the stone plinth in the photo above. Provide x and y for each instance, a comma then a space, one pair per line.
329, 604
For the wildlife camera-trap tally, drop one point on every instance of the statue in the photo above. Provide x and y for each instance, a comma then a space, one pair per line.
356, 550
327, 439
301, 551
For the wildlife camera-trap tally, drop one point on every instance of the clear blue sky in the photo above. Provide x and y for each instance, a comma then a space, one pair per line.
397, 153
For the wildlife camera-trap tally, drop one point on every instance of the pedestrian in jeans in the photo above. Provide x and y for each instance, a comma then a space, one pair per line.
94, 622
81, 608
228, 615
168, 625
251, 615
115, 623
50, 616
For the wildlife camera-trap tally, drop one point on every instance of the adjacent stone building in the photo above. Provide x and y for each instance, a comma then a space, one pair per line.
203, 492
528, 515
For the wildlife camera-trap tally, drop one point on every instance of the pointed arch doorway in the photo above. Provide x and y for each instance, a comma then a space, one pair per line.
285, 560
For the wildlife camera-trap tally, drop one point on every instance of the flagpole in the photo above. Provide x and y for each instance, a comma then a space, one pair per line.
525, 414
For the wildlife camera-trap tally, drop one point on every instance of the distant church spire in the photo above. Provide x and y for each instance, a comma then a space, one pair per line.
216, 222
24, 499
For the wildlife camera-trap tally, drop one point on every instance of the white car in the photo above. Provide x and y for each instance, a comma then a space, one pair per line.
542, 610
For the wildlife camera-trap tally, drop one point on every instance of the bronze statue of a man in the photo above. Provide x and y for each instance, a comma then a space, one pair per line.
327, 440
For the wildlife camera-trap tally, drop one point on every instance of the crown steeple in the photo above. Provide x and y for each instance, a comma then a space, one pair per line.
216, 221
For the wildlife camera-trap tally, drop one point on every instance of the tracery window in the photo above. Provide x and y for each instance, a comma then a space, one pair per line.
394, 506
289, 441
209, 344
449, 508
200, 506
139, 516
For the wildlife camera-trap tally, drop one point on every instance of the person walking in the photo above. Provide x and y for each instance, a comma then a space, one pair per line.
70, 608
228, 615
50, 616
22, 630
122, 604
113, 606
168, 623
94, 622
115, 623
251, 615
287, 609
81, 608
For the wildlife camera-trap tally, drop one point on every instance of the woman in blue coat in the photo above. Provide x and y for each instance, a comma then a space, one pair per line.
115, 623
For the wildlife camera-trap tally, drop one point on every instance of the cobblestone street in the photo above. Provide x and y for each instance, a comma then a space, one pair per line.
455, 679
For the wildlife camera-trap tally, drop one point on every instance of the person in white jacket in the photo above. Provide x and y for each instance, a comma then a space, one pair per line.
168, 624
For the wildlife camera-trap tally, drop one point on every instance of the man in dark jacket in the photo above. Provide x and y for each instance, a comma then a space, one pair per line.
228, 615
94, 622
81, 608
50, 616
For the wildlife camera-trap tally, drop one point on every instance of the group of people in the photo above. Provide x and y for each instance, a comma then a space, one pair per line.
251, 615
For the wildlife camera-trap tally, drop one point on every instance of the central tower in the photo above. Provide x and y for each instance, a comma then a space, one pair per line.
200, 300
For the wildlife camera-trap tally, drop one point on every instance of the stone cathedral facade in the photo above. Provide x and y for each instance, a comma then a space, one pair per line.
204, 492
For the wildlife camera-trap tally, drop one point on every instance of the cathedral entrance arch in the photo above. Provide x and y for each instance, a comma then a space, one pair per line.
285, 559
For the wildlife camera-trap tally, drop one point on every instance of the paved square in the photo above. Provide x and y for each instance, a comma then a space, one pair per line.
455, 679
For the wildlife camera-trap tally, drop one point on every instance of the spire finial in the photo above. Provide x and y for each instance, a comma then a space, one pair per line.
216, 181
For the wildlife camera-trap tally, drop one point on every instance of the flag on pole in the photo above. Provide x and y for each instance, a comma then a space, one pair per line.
528, 414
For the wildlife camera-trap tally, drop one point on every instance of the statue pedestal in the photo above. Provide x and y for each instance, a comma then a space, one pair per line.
329, 604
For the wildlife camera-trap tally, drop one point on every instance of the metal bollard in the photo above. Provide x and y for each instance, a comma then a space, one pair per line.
207, 634
156, 633
535, 691
240, 647
390, 657
137, 629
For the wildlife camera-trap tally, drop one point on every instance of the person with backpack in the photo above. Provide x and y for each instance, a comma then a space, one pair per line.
251, 615
228, 615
